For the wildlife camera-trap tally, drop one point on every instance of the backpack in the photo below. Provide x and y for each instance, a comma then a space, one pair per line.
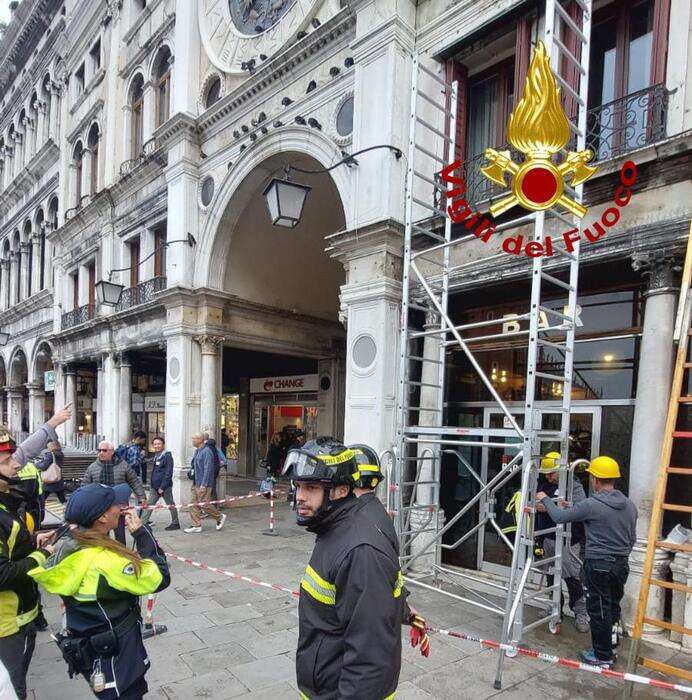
120, 452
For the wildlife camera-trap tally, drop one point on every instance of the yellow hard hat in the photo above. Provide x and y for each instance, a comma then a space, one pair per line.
549, 463
604, 468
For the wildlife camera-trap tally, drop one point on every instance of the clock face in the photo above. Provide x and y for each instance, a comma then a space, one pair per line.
257, 16
234, 31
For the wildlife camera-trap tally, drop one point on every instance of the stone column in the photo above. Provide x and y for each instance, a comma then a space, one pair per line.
18, 153
36, 263
14, 272
149, 114
83, 287
37, 406
15, 407
111, 398
147, 243
53, 117
70, 374
4, 284
210, 390
29, 147
651, 408
40, 132
125, 400
24, 249
681, 612
100, 398
185, 76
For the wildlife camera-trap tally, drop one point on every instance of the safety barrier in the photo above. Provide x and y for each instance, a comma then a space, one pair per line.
270, 531
491, 644
149, 629
228, 499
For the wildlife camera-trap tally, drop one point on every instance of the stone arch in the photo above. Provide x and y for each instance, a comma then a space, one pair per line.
41, 362
296, 140
18, 374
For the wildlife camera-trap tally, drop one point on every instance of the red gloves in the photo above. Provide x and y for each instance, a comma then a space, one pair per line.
419, 635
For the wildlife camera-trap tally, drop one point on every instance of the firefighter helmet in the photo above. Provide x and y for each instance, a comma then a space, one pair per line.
370, 473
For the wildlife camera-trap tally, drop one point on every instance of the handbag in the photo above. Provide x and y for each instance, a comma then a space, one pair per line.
52, 475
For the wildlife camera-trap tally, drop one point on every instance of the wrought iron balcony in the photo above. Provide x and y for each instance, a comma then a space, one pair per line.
77, 316
141, 294
613, 129
150, 151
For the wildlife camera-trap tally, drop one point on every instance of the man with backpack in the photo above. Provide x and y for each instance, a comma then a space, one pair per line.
203, 472
134, 454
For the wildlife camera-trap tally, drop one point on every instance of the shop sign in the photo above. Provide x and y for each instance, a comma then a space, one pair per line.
49, 380
277, 385
137, 403
155, 403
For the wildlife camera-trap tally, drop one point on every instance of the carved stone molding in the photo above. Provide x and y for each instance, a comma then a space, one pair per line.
660, 266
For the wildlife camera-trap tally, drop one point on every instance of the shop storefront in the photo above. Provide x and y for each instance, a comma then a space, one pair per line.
149, 415
603, 392
283, 406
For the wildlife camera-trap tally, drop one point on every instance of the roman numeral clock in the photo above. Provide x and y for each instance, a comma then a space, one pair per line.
234, 31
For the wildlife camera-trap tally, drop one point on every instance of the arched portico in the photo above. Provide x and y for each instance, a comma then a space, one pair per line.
17, 395
41, 385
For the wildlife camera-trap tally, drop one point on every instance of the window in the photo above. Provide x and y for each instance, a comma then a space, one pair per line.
160, 248
213, 92
74, 282
134, 261
95, 56
92, 282
18, 278
78, 163
29, 257
162, 83
41, 250
79, 80
93, 144
137, 117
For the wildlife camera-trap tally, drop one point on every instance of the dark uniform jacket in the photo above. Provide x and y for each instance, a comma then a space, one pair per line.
100, 588
18, 593
350, 611
162, 472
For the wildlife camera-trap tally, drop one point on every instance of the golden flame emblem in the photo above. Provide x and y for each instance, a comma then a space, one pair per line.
539, 129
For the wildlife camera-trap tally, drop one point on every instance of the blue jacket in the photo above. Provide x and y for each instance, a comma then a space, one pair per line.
205, 463
162, 471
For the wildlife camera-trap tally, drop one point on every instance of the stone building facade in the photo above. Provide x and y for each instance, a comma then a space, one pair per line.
137, 138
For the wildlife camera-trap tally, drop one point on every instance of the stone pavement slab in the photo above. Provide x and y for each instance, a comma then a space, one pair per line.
229, 639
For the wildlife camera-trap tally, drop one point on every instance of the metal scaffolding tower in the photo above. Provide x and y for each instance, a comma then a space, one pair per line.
432, 264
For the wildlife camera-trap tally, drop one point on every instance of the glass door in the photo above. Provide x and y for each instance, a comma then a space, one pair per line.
585, 423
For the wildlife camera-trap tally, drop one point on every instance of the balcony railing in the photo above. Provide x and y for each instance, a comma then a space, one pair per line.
613, 129
81, 315
141, 294
149, 151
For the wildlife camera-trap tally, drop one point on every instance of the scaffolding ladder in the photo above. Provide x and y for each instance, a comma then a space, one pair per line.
678, 397
431, 263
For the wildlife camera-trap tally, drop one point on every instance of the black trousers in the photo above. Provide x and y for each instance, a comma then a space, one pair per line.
15, 653
604, 580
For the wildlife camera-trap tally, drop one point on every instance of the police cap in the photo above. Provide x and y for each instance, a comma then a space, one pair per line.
90, 502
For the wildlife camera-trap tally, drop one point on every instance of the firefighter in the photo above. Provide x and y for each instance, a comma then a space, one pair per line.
100, 582
610, 519
571, 565
20, 552
350, 610
370, 476
33, 490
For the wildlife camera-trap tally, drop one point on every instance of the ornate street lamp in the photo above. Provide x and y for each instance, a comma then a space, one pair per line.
108, 293
285, 200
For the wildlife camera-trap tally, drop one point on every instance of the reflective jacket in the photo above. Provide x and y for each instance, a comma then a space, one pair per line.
33, 488
18, 593
100, 588
350, 611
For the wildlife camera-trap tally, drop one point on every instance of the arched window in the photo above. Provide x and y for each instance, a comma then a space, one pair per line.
16, 249
137, 116
53, 223
93, 145
6, 253
46, 95
78, 163
22, 142
33, 115
162, 84
29, 257
3, 164
13, 159
213, 92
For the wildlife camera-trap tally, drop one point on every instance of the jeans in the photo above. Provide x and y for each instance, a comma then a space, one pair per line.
15, 653
605, 585
167, 496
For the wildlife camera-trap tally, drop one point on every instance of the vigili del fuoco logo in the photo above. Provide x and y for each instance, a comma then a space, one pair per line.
538, 128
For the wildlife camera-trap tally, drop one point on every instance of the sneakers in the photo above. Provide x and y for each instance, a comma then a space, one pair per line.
172, 526
588, 656
581, 617
221, 522
193, 529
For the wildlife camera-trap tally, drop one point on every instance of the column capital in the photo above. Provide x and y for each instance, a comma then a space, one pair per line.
660, 266
69, 369
209, 343
125, 360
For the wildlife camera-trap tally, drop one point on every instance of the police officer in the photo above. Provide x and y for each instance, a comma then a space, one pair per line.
610, 519
100, 582
350, 609
369, 477
19, 552
571, 566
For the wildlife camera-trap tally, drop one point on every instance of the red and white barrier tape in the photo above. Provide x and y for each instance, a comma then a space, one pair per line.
568, 663
230, 574
228, 499
271, 511
149, 613
491, 644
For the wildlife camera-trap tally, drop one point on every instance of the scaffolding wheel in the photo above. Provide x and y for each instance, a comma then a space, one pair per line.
554, 627
511, 653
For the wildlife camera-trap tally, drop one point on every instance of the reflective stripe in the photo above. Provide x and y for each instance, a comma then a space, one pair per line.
368, 468
390, 697
317, 587
399, 585
27, 617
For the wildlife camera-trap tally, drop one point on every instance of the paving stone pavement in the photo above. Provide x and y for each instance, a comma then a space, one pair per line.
229, 639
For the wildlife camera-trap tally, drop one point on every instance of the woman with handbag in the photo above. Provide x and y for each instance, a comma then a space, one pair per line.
51, 473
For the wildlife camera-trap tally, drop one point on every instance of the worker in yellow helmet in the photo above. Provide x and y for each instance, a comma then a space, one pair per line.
610, 519
548, 482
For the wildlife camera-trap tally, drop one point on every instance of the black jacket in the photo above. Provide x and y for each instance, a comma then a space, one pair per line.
162, 471
350, 610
